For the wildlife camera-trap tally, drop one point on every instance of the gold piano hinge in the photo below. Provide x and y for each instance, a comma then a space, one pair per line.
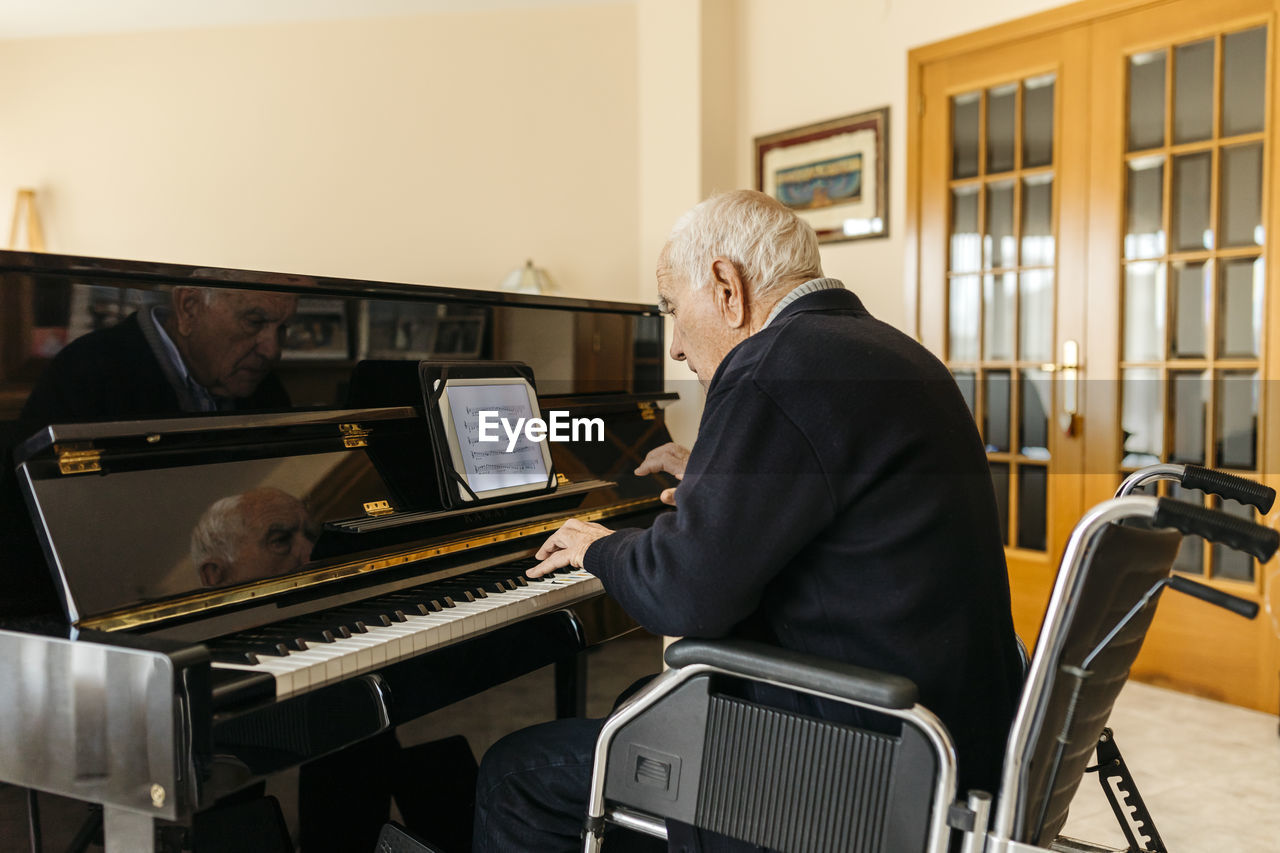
78, 458
562, 480
376, 508
354, 435
648, 411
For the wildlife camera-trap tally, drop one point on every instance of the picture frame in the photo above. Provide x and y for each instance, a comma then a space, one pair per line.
833, 174
397, 330
418, 331
317, 331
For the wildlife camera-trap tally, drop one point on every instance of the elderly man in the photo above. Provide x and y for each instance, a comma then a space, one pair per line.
210, 350
259, 534
837, 502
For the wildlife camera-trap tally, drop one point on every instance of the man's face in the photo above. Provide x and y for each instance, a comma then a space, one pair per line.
231, 343
278, 537
700, 337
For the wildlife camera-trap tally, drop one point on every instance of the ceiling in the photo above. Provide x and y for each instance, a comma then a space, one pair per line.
34, 18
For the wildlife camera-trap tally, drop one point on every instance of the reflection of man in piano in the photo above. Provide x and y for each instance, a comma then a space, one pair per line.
837, 502
259, 534
210, 350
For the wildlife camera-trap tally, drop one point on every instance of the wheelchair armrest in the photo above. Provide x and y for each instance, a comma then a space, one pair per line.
783, 666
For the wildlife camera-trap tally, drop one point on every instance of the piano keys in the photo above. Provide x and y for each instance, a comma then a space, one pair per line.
332, 645
154, 674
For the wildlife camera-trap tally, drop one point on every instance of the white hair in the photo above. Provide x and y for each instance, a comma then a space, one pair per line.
765, 240
218, 533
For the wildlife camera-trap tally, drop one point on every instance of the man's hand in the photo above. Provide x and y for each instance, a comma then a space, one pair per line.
670, 458
567, 546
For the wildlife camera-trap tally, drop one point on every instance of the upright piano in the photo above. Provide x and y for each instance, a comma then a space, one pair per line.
138, 680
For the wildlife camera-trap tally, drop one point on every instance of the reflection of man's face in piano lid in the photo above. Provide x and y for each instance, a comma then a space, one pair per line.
259, 534
229, 339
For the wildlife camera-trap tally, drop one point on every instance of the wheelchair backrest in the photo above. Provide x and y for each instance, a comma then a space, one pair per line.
1120, 566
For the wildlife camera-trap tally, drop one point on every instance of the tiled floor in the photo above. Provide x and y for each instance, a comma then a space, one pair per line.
1210, 773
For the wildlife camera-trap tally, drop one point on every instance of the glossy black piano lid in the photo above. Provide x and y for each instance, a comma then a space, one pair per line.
149, 533
71, 350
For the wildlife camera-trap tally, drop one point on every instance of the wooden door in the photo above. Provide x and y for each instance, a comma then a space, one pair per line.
1159, 195
1003, 177
1178, 296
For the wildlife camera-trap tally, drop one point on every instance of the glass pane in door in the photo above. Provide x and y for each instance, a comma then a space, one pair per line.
1244, 80
1002, 106
1146, 100
1236, 427
966, 244
1241, 207
1227, 562
965, 130
1240, 311
1144, 311
999, 292
1144, 232
1037, 121
1191, 183
964, 317
1191, 288
1193, 91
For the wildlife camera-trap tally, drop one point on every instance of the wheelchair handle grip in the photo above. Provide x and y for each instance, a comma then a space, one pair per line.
1229, 486
762, 662
1235, 533
1234, 603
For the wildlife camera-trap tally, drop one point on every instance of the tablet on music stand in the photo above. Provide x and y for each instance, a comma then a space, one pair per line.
458, 395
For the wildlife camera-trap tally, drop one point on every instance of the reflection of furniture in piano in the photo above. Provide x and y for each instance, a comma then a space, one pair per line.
155, 700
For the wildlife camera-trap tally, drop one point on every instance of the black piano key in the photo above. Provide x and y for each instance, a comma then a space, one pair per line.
410, 601
261, 647
499, 578
459, 587
451, 591
340, 627
466, 587
497, 585
274, 633
317, 630
401, 604
316, 634
233, 656
369, 615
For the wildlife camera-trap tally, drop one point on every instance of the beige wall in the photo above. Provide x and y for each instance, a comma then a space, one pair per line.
385, 148
435, 149
808, 60
447, 148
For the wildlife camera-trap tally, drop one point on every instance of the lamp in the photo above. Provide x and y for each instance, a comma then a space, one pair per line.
528, 279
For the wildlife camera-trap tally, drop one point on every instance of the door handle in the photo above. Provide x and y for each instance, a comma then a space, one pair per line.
1069, 384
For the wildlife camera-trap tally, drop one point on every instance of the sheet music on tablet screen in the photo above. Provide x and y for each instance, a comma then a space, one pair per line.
487, 463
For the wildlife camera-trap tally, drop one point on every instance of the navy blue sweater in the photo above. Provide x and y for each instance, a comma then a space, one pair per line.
838, 502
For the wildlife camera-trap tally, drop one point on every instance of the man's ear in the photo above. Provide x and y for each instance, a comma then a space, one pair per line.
187, 304
211, 574
729, 292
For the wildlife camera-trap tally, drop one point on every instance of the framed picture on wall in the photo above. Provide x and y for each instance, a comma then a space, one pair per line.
834, 174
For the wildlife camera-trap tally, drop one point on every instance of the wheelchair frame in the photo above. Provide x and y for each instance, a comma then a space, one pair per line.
985, 824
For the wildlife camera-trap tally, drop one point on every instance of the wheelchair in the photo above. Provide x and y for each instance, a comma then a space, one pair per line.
681, 750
